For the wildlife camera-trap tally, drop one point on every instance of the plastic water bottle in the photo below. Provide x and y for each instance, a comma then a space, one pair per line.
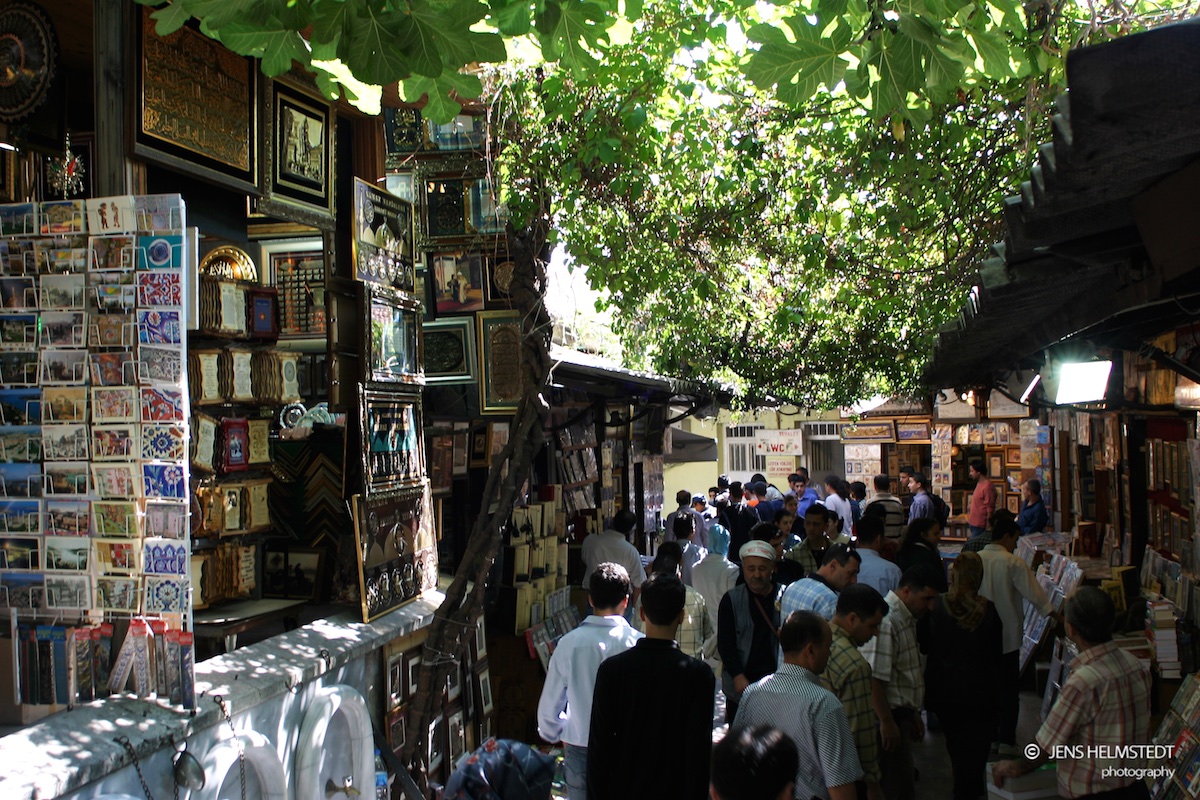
381, 777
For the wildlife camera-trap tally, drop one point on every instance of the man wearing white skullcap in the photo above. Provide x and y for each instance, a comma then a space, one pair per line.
748, 624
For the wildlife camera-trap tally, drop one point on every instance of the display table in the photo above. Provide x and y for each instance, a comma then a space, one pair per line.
229, 619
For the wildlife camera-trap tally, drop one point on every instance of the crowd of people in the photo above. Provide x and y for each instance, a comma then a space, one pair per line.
835, 633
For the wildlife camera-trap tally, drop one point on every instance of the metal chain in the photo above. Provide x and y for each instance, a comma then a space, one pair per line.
237, 739
124, 742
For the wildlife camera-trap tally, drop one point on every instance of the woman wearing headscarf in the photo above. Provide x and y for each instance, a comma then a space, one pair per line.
961, 638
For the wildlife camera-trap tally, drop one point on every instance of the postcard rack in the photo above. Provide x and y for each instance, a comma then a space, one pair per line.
95, 552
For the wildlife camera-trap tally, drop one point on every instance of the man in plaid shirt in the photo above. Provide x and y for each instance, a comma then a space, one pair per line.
696, 631
860, 610
1105, 704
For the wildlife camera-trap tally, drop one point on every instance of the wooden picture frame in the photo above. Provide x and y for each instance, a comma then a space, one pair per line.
1013, 503
1012, 456
913, 433
297, 177
382, 241
392, 439
995, 466
449, 350
882, 431
8, 175
483, 679
500, 375
397, 678
214, 137
412, 669
499, 282
392, 336
397, 728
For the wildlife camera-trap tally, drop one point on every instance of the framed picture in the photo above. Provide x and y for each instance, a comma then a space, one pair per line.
868, 432
262, 313
464, 132
913, 432
392, 440
457, 280
1012, 456
1013, 503
412, 668
383, 238
436, 745
499, 282
297, 175
479, 447
454, 683
214, 136
1001, 486
388, 533
479, 643
445, 215
393, 344
441, 463
397, 679
456, 741
484, 678
500, 382
292, 572
995, 465
397, 728
449, 348
296, 267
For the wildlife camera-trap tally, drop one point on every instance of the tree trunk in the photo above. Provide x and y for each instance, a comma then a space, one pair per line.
455, 617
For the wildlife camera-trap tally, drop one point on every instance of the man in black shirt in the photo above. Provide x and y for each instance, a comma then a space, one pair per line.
663, 695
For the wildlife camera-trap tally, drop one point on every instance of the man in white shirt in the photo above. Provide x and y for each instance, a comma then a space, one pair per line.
613, 545
875, 570
1007, 581
564, 711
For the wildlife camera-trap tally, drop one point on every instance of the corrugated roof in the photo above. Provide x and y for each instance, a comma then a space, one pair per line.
1074, 256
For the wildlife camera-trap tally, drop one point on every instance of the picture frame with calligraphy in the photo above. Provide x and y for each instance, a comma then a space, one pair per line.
500, 381
214, 136
449, 350
392, 439
297, 171
382, 242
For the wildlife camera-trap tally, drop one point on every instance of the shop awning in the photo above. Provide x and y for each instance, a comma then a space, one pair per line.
688, 447
1102, 242
606, 378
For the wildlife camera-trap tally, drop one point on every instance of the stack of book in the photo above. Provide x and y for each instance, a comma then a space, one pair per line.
1163, 637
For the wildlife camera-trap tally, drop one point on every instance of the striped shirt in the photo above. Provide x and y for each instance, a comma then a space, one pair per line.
696, 628
848, 675
795, 702
1105, 701
894, 657
893, 520
809, 594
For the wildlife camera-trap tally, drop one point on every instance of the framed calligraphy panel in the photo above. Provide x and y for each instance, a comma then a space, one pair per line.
197, 106
500, 384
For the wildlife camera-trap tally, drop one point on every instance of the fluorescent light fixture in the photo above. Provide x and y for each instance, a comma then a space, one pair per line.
1084, 382
1037, 377
7, 146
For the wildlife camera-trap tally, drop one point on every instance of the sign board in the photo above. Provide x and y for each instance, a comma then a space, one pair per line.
779, 443
781, 465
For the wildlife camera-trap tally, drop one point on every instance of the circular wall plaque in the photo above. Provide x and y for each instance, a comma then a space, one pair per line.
28, 50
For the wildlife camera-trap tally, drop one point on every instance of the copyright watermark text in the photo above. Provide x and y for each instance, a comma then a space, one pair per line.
1118, 755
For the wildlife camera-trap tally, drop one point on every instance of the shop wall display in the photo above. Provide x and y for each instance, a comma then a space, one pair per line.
500, 384
297, 179
93, 429
913, 432
212, 136
449, 347
383, 238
